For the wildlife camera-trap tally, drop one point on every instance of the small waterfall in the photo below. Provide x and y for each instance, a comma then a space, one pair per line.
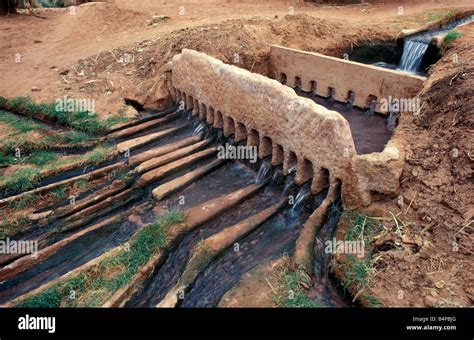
188, 115
263, 172
289, 185
303, 194
392, 120
372, 106
413, 53
202, 127
277, 177
292, 169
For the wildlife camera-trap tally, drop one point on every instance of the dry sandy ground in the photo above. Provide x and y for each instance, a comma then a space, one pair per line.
52, 46
108, 51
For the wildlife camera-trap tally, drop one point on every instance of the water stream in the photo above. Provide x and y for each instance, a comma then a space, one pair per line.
415, 46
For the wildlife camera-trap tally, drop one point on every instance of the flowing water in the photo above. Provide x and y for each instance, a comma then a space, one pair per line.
273, 238
413, 53
264, 172
323, 292
415, 46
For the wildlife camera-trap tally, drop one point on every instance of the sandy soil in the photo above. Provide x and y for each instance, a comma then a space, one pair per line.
437, 181
95, 38
107, 51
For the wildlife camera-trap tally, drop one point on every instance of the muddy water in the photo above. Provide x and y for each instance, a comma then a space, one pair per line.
68, 258
322, 292
223, 180
272, 239
141, 194
370, 132
229, 178
89, 168
99, 241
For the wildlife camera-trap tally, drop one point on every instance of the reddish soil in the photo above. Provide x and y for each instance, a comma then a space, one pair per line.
437, 180
82, 55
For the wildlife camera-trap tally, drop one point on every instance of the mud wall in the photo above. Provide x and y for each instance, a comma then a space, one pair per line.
320, 73
292, 129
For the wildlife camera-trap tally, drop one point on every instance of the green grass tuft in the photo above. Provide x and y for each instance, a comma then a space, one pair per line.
451, 36
74, 137
359, 270
84, 121
59, 193
25, 201
42, 158
21, 180
97, 156
19, 124
113, 120
93, 287
290, 292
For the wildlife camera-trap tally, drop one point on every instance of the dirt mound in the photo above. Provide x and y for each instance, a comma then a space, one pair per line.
434, 209
245, 43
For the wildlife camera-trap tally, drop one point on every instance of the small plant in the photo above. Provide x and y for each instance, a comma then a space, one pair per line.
97, 156
19, 124
113, 120
451, 36
59, 193
9, 227
94, 286
121, 175
21, 180
8, 159
81, 184
25, 201
74, 137
290, 292
83, 120
42, 158
358, 271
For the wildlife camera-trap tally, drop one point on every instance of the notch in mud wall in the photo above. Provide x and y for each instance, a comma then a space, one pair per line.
203, 112
313, 86
195, 108
218, 120
297, 83
283, 78
210, 115
240, 132
331, 93
229, 127
253, 138
277, 154
371, 105
189, 103
320, 180
350, 99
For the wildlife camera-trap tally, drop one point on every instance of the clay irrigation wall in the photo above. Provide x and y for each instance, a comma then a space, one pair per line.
323, 75
290, 128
